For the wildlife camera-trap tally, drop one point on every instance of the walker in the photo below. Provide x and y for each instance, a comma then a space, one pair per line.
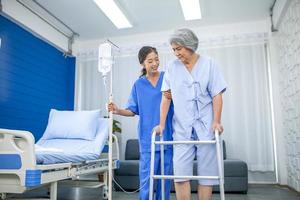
163, 177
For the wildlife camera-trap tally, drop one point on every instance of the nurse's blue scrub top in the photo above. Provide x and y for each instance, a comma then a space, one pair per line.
144, 100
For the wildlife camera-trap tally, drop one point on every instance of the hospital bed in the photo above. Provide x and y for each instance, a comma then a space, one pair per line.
25, 165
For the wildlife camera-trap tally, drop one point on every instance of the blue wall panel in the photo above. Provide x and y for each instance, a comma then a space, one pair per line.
34, 77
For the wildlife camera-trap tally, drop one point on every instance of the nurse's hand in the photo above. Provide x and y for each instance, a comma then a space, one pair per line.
158, 129
113, 107
217, 126
168, 94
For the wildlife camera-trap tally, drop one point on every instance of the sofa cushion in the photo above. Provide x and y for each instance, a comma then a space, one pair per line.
235, 168
132, 151
128, 168
224, 150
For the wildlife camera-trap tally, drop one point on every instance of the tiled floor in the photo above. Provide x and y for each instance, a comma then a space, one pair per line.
255, 192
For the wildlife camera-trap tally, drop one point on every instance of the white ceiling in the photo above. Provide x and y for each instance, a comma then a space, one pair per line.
85, 18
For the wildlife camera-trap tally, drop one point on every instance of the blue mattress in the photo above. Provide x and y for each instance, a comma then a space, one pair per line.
52, 158
72, 150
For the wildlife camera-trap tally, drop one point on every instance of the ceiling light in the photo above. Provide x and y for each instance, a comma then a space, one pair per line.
191, 9
113, 12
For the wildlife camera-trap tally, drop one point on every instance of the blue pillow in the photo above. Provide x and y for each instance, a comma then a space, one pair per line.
72, 125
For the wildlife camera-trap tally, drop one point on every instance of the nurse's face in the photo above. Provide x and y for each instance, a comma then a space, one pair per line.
151, 63
182, 53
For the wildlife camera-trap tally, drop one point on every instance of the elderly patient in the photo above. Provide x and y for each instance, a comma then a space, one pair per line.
196, 86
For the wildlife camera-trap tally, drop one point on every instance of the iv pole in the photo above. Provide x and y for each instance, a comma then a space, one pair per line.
110, 163
110, 142
110, 128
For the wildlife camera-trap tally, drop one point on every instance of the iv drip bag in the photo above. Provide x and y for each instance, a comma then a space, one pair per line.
105, 59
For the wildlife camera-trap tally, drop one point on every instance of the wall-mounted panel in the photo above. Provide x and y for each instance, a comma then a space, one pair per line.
34, 77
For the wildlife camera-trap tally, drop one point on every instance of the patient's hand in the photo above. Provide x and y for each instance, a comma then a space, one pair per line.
217, 126
113, 107
168, 94
158, 129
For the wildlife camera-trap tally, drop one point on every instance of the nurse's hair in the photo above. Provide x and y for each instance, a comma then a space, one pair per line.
186, 38
143, 53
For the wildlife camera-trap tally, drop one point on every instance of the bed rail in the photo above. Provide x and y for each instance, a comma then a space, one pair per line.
18, 163
16, 142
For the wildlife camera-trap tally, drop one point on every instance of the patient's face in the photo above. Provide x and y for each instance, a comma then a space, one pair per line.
151, 63
182, 53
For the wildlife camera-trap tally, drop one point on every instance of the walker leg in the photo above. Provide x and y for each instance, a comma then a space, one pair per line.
162, 168
220, 166
152, 167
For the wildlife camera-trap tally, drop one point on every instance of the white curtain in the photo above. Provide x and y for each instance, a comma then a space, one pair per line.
89, 83
246, 113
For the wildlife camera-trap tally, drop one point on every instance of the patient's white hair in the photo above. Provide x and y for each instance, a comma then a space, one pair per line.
184, 37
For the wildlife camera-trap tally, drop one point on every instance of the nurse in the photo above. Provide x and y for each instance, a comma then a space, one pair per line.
144, 100
196, 86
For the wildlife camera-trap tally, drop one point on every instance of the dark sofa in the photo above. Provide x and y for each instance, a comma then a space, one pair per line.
235, 171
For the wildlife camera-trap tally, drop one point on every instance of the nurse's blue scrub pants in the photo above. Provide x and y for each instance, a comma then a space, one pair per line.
145, 159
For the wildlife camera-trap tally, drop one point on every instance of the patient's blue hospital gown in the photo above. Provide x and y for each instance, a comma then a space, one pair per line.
192, 95
145, 101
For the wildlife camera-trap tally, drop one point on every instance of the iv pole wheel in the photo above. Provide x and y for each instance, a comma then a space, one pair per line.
2, 196
105, 192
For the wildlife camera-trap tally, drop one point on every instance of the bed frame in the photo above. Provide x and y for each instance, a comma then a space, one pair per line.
19, 171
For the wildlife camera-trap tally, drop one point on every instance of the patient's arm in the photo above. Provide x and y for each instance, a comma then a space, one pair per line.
164, 109
168, 94
217, 108
124, 112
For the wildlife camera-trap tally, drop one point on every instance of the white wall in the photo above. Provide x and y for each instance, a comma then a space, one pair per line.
34, 24
285, 51
161, 38
279, 10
